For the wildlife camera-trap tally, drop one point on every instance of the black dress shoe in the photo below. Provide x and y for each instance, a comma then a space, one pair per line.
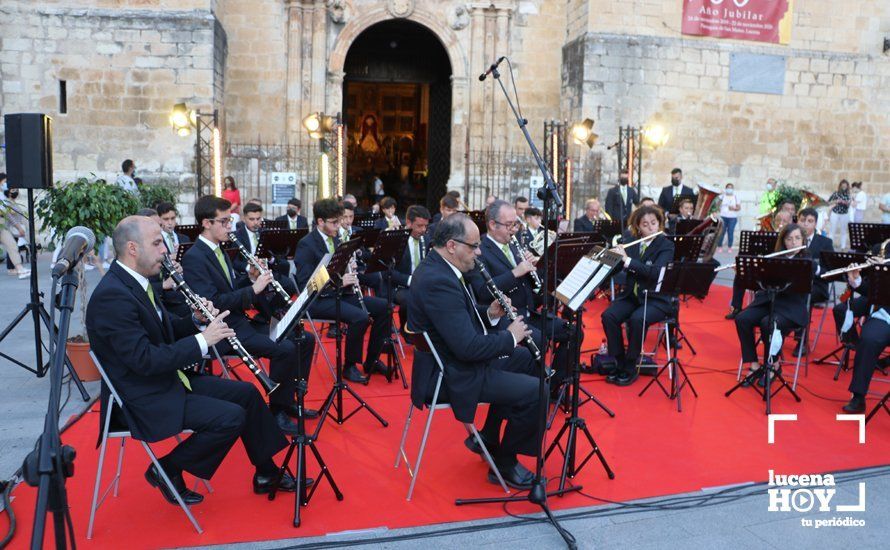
285, 424
748, 380
732, 313
516, 476
352, 374
856, 405
308, 413
333, 331
762, 382
473, 445
627, 378
800, 349
153, 477
264, 484
378, 366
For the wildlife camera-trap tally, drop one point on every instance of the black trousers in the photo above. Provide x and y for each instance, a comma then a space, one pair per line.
562, 333
403, 298
289, 359
630, 311
511, 387
875, 337
219, 412
738, 295
859, 306
758, 316
351, 314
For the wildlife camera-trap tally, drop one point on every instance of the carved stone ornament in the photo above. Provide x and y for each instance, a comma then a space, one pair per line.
459, 18
400, 8
338, 10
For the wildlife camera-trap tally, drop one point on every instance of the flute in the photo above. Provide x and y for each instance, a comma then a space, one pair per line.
502, 300
196, 303
770, 255
855, 267
533, 273
256, 264
630, 244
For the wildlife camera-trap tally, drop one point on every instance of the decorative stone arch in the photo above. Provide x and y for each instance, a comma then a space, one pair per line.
438, 26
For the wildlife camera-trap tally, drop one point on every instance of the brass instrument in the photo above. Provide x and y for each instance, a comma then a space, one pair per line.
711, 227
536, 279
256, 264
708, 197
511, 314
765, 222
812, 200
536, 245
196, 303
878, 259
770, 255
606, 216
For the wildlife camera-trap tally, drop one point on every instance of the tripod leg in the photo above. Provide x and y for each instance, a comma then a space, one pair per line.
597, 451
325, 471
363, 404
300, 495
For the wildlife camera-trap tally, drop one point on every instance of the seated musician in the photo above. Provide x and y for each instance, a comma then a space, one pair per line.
533, 225
448, 205
847, 312
323, 239
780, 220
642, 264
684, 209
592, 212
417, 220
790, 307
143, 348
521, 204
164, 289
294, 219
367, 280
875, 337
167, 214
389, 219
208, 271
649, 201
808, 219
510, 270
481, 364
347, 230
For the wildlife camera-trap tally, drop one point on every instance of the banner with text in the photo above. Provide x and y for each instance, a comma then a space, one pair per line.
759, 20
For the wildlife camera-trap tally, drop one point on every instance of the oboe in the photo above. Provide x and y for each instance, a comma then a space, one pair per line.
256, 264
499, 296
533, 273
196, 303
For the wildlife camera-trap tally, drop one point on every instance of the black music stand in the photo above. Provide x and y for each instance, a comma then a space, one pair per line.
685, 226
879, 297
366, 220
607, 228
772, 275
687, 248
276, 224
337, 267
680, 279
757, 243
388, 250
302, 440
839, 356
675, 204
478, 217
863, 236
279, 243
598, 269
189, 230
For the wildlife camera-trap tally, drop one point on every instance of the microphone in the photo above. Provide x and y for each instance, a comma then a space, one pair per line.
78, 241
491, 69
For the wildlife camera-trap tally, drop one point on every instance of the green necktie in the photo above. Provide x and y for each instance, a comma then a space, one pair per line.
292, 223
330, 242
222, 262
416, 244
637, 284
170, 244
508, 254
182, 377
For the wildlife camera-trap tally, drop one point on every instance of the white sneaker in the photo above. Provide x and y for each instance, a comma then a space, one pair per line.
24, 273
106, 265
89, 267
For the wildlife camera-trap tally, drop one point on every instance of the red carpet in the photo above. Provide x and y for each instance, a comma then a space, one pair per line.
653, 449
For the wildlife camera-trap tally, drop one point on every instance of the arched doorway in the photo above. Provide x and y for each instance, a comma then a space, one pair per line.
397, 106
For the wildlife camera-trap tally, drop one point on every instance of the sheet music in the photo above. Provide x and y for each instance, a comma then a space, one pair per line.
581, 281
316, 282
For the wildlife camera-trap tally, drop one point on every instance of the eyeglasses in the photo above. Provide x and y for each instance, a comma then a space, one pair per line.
508, 225
223, 221
333, 221
473, 246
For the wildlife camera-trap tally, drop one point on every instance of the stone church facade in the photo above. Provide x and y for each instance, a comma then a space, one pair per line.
266, 64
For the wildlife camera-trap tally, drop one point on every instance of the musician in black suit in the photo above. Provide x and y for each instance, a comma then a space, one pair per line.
481, 364
510, 270
143, 349
675, 189
620, 201
208, 271
533, 226
807, 218
448, 205
293, 217
684, 209
790, 307
875, 337
323, 239
642, 264
592, 213
417, 219
167, 215
389, 219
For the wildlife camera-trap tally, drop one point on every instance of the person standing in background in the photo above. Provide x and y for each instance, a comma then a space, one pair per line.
840, 216
884, 206
126, 180
860, 202
231, 194
729, 212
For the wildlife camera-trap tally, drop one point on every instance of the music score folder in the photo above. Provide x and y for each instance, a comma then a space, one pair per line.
588, 274
316, 282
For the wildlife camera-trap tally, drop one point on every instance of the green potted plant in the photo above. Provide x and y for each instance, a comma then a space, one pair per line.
150, 195
95, 204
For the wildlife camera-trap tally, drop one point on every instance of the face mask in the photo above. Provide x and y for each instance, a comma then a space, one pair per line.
769, 187
291, 212
729, 191
622, 181
675, 182
13, 195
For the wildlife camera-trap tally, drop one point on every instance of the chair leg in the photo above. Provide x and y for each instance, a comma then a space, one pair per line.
471, 428
320, 347
401, 453
95, 504
819, 331
120, 464
738, 375
797, 363
198, 480
169, 484
417, 462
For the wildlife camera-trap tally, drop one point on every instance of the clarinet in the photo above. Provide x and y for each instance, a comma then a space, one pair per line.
256, 264
499, 296
357, 287
536, 279
196, 304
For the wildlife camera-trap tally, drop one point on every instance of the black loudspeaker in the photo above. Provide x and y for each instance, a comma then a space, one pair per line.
29, 150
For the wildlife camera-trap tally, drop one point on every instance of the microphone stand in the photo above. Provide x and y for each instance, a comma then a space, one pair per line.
538, 493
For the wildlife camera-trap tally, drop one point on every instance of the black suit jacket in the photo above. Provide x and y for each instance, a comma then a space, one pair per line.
666, 199
302, 223
182, 238
380, 223
583, 224
141, 353
205, 276
441, 306
815, 249
644, 271
614, 206
519, 290
310, 250
790, 305
240, 264
402, 271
